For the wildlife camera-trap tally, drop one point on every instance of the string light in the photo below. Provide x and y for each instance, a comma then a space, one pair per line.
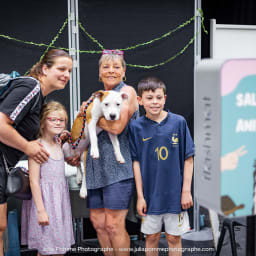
51, 45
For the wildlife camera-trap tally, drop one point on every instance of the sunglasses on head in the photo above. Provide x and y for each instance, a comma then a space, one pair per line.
118, 52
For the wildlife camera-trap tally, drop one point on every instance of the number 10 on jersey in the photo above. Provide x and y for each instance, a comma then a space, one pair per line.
160, 154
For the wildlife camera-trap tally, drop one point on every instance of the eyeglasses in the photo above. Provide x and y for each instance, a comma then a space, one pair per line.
56, 120
118, 52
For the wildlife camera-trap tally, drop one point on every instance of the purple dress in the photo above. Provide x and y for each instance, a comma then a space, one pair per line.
57, 237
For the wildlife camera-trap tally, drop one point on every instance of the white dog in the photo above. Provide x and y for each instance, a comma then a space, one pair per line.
107, 104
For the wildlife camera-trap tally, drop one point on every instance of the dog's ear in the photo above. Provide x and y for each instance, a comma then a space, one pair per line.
124, 96
99, 94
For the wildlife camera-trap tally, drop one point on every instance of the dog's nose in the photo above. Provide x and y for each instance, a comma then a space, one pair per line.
112, 116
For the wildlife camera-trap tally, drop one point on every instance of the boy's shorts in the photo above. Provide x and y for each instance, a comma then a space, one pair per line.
175, 224
116, 196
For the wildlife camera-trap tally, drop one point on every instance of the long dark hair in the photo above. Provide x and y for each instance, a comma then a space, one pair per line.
48, 60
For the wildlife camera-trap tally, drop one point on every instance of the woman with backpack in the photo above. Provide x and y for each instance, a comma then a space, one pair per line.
20, 117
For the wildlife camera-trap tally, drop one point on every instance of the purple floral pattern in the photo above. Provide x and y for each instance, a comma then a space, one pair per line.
57, 237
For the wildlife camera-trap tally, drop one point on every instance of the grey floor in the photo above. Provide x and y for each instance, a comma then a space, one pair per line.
194, 244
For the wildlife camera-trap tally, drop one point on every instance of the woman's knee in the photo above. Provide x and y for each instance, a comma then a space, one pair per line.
113, 228
98, 221
3, 227
3, 218
115, 224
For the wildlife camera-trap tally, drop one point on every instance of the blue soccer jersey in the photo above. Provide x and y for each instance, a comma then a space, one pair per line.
161, 149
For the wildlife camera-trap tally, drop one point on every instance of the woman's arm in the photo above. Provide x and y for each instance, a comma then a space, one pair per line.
10, 137
34, 178
128, 108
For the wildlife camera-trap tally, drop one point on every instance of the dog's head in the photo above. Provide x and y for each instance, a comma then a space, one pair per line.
111, 103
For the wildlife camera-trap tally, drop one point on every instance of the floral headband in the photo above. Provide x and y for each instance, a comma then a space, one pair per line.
118, 52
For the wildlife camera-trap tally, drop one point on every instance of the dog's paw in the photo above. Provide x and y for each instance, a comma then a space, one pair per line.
78, 179
95, 153
83, 193
79, 176
67, 151
120, 159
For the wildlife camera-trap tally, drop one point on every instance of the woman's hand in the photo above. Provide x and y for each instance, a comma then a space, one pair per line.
141, 206
43, 218
36, 151
73, 160
63, 137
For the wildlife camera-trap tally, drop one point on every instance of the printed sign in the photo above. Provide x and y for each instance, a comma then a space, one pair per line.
225, 136
238, 137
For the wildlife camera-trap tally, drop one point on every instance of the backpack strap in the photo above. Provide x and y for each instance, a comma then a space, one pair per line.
28, 98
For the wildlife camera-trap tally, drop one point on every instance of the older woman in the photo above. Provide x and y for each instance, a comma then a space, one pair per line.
111, 184
20, 117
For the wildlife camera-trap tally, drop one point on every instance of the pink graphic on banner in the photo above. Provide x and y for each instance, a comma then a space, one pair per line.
233, 71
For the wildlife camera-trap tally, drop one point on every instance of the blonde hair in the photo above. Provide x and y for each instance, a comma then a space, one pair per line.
47, 108
48, 60
112, 57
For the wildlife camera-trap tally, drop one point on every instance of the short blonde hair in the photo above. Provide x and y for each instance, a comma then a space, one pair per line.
112, 57
49, 107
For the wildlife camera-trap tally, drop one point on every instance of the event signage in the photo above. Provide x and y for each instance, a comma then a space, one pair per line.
225, 136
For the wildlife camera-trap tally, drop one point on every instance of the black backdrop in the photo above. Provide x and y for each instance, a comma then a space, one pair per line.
133, 22
115, 24
36, 21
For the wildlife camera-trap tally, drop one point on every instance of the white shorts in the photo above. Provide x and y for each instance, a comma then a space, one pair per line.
175, 224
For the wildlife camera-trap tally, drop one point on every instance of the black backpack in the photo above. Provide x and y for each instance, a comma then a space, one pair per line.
6, 82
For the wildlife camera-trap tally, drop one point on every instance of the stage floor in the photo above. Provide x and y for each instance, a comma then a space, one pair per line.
190, 247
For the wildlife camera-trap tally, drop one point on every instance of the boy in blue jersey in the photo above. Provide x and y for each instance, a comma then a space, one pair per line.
162, 151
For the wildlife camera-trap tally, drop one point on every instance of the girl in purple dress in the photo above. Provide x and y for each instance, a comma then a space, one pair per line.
46, 219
